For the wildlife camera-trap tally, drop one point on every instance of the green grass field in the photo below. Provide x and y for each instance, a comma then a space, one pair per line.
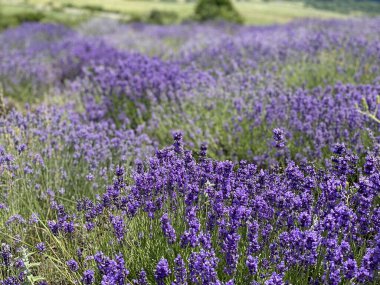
255, 12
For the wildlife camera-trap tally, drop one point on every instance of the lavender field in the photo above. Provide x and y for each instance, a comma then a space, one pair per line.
190, 154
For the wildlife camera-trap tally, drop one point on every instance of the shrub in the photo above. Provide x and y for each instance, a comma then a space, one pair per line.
7, 21
29, 17
131, 18
217, 10
162, 17
93, 8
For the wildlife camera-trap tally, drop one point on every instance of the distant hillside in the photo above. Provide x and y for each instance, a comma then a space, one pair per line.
254, 12
346, 6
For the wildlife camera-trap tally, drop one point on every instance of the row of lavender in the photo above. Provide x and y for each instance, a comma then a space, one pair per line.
190, 221
243, 81
87, 196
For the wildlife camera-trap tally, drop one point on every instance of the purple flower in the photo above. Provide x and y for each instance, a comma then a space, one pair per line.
118, 226
350, 268
275, 279
167, 229
68, 227
304, 219
90, 177
252, 264
53, 226
203, 150
339, 148
162, 271
33, 218
21, 148
6, 254
113, 270
15, 219
202, 267
334, 274
178, 142
370, 164
73, 265
41, 247
11, 281
142, 280
230, 249
119, 171
279, 138
180, 271
19, 263
88, 277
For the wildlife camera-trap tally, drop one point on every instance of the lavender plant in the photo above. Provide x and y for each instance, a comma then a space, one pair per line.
190, 154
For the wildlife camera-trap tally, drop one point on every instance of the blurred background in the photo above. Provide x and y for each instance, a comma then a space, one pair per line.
250, 12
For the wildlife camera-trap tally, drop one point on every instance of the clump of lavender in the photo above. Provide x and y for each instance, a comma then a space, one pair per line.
275, 279
278, 224
279, 138
19, 263
180, 271
41, 247
88, 277
350, 268
202, 267
113, 270
167, 228
252, 264
162, 271
178, 142
6, 254
203, 150
118, 226
142, 280
72, 265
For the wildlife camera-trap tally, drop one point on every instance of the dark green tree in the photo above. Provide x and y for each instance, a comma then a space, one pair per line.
217, 10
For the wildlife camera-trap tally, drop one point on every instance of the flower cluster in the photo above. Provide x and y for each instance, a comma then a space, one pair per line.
273, 178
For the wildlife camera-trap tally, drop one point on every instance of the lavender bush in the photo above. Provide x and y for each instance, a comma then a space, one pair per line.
189, 154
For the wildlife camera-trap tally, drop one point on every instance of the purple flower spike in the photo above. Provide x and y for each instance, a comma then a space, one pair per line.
41, 247
279, 138
162, 271
88, 277
72, 265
